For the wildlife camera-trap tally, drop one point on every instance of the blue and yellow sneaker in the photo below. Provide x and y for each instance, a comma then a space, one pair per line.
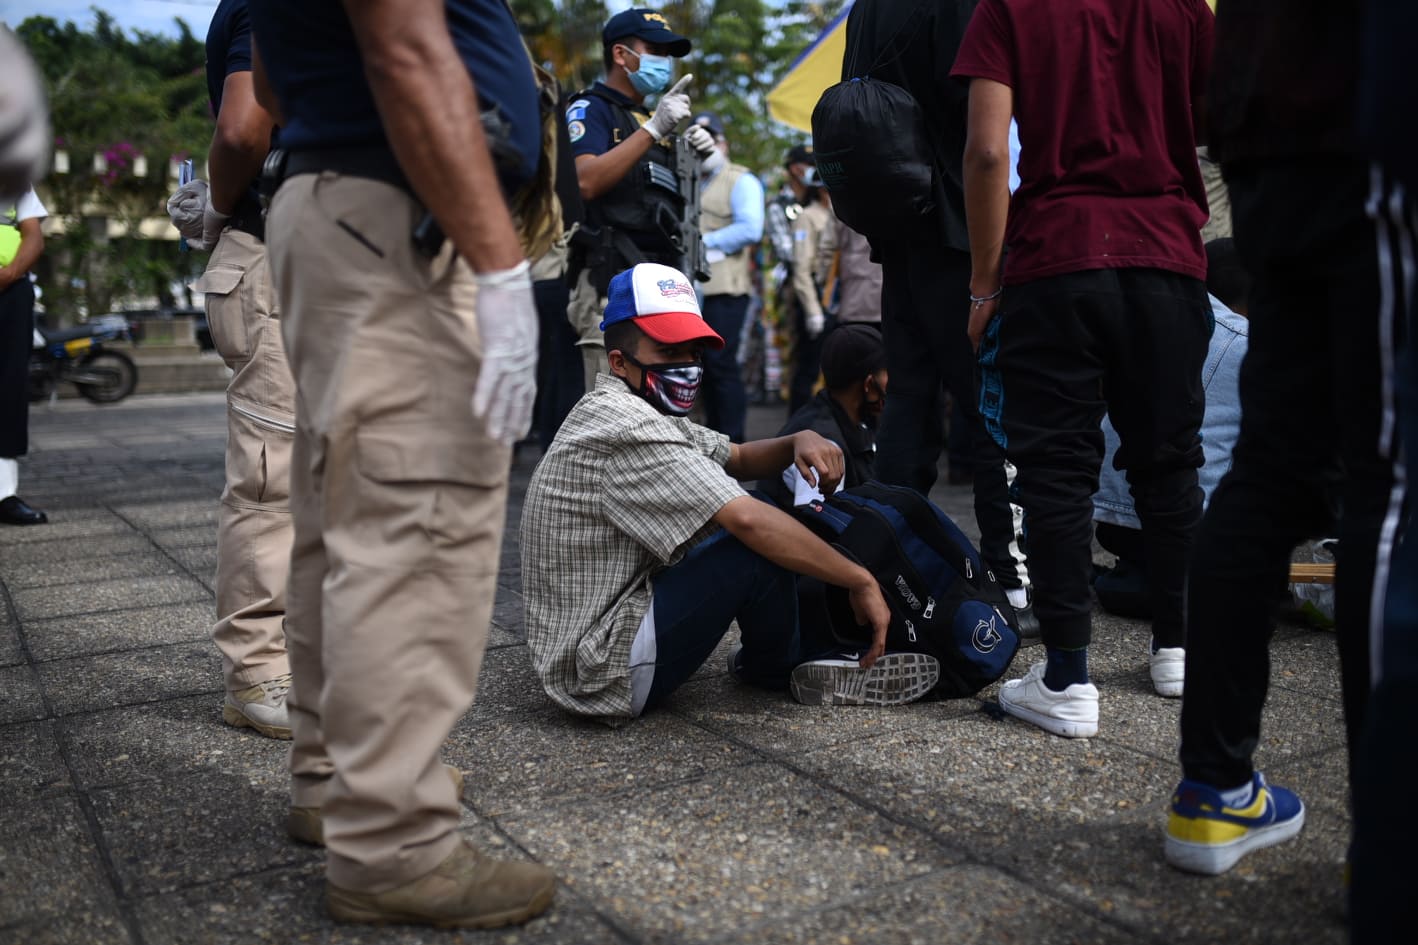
1206, 836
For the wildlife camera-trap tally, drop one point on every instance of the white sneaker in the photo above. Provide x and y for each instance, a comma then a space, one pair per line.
262, 707
894, 679
1169, 666
1072, 713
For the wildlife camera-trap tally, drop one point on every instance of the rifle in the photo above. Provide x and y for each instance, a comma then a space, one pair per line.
683, 233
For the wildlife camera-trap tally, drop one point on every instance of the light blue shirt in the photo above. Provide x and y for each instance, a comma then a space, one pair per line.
746, 202
1221, 424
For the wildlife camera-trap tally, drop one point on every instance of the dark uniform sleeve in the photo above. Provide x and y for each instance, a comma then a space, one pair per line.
238, 54
588, 124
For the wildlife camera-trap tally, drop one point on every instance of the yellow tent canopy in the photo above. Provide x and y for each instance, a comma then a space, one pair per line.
818, 68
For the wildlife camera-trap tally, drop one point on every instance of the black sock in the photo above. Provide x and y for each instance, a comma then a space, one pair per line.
1065, 667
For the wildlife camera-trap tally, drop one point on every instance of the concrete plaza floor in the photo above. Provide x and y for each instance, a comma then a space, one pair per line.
132, 814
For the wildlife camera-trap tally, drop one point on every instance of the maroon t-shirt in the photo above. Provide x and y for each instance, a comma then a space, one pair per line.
1103, 94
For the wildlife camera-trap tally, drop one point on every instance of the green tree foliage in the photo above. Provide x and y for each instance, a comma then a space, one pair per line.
118, 96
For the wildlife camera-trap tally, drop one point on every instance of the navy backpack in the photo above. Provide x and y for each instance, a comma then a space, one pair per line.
943, 599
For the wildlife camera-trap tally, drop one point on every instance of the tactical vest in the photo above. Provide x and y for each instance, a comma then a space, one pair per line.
728, 276
9, 234
633, 205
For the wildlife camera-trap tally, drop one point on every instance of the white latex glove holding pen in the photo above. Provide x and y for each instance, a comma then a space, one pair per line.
507, 381
191, 211
673, 109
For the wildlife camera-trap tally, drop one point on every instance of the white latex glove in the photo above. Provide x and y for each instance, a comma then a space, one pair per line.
700, 140
186, 208
673, 109
507, 382
713, 256
815, 322
213, 222
712, 162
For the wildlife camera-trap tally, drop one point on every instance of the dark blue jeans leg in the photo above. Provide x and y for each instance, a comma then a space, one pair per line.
724, 399
718, 581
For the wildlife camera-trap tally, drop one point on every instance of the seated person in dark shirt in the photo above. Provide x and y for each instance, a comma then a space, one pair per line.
845, 411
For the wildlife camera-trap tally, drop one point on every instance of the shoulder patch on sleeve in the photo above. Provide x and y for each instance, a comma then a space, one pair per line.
577, 109
576, 130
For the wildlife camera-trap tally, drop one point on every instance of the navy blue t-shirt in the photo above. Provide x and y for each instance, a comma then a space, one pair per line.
590, 121
312, 61
228, 47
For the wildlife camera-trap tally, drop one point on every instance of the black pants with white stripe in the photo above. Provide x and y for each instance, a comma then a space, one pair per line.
1308, 452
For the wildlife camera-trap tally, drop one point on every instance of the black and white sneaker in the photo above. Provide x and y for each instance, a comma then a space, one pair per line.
895, 679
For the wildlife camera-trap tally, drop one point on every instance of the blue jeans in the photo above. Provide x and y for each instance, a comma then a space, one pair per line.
724, 398
718, 581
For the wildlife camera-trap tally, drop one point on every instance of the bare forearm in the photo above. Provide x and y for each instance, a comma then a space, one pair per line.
986, 211
232, 166
760, 459
776, 536
596, 174
429, 108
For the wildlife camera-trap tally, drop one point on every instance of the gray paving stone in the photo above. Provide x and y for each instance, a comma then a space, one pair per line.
1306, 661
171, 514
68, 526
189, 536
31, 765
11, 653
20, 696
37, 603
131, 677
114, 630
164, 835
99, 546
507, 685
46, 851
94, 925
172, 740
551, 758
507, 609
693, 862
962, 905
21, 575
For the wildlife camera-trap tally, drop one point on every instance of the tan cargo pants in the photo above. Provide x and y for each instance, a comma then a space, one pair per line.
585, 312
254, 527
398, 496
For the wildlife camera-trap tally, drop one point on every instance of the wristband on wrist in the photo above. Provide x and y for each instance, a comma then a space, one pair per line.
982, 299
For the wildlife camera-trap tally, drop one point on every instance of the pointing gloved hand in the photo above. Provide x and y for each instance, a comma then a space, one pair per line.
701, 140
186, 208
507, 381
673, 109
815, 322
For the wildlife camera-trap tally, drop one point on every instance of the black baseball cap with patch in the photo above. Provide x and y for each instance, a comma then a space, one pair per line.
648, 25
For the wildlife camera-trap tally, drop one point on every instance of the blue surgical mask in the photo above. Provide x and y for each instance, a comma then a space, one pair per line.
654, 73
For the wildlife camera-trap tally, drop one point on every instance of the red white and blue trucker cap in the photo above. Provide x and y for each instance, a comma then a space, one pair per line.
663, 303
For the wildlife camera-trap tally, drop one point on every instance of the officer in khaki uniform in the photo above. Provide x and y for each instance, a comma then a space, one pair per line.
410, 325
254, 530
617, 144
731, 216
814, 235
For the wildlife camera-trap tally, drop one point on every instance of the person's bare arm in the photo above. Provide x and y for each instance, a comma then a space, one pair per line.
776, 536
986, 195
598, 173
240, 143
31, 248
764, 459
429, 107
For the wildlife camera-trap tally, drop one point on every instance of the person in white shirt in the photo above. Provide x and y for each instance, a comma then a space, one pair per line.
21, 244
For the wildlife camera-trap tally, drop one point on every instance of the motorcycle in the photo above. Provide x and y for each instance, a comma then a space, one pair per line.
77, 355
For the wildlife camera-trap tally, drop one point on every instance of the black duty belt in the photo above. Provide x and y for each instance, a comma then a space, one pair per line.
374, 163
248, 219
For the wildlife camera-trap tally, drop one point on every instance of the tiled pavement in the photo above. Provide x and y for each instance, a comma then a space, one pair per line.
131, 814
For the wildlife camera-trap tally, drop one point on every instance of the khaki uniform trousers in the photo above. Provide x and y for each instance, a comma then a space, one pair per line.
585, 312
399, 497
254, 527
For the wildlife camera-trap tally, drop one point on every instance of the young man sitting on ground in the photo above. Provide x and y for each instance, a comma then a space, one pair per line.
639, 547
845, 411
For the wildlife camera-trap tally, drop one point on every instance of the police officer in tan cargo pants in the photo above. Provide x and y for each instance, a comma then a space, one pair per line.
254, 528
414, 358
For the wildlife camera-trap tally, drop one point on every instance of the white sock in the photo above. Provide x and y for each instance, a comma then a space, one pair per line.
1239, 797
9, 477
1018, 597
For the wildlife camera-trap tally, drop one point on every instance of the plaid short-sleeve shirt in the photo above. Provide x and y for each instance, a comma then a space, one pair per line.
623, 492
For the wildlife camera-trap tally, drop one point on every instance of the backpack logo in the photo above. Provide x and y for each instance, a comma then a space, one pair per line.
907, 594
986, 637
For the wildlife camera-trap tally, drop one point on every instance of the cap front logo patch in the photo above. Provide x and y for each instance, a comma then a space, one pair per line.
669, 288
655, 17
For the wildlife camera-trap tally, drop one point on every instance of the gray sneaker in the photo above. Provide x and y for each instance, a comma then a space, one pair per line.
262, 707
895, 679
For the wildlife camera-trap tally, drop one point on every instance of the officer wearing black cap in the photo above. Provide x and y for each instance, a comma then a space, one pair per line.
802, 213
615, 140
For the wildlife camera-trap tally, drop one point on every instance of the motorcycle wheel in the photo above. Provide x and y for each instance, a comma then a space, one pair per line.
106, 377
